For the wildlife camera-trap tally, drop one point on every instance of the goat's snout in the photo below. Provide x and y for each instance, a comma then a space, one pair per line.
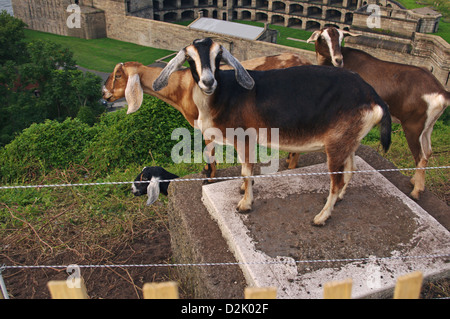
208, 84
106, 93
338, 62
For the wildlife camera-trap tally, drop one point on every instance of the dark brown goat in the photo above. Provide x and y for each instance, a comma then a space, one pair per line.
415, 97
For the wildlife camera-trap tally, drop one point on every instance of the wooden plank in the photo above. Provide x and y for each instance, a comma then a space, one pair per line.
408, 286
60, 289
163, 290
260, 293
338, 289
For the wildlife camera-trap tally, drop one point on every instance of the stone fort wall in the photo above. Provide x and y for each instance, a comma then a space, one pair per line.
424, 50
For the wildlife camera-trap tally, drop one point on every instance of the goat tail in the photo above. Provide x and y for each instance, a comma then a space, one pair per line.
385, 127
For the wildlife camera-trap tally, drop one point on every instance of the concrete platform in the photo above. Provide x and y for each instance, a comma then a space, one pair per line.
374, 219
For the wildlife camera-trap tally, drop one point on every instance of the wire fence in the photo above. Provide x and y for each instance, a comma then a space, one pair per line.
222, 178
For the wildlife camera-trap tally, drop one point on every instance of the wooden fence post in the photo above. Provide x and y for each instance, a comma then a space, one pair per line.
60, 289
338, 289
163, 290
260, 293
408, 286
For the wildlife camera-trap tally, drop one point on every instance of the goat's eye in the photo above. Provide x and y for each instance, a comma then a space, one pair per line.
118, 76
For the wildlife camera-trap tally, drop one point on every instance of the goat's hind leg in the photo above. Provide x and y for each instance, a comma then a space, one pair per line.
245, 204
320, 219
349, 166
337, 187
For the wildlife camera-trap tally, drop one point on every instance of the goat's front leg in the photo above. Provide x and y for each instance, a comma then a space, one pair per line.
245, 204
211, 166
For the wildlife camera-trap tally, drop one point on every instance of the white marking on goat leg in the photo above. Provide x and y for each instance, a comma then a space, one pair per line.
436, 106
348, 167
245, 204
320, 218
419, 179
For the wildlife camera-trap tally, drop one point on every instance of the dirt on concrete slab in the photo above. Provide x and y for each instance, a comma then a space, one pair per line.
196, 238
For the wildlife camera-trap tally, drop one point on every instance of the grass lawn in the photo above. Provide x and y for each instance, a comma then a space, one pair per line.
101, 54
284, 33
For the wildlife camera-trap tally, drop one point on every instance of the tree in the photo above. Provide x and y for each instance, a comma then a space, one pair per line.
40, 81
12, 46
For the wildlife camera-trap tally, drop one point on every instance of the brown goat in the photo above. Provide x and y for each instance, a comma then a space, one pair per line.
132, 79
415, 97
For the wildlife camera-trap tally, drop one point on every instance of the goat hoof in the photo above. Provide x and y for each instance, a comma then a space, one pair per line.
243, 207
243, 211
415, 195
317, 225
319, 221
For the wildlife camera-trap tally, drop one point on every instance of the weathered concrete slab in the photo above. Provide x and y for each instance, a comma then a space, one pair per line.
374, 219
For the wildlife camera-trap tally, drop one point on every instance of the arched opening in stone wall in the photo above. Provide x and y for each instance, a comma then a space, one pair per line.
312, 26
188, 15
278, 6
295, 23
349, 18
169, 4
170, 17
262, 4
295, 9
336, 3
315, 12
278, 20
187, 3
246, 15
352, 4
261, 17
333, 15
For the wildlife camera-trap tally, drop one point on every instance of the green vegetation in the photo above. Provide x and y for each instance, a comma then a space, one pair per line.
39, 81
101, 54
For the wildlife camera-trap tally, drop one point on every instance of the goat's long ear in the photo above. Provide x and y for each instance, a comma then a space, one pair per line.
152, 191
175, 64
314, 36
242, 76
134, 93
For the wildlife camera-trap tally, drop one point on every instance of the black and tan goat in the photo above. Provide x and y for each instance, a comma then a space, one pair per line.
314, 108
415, 97
152, 181
132, 79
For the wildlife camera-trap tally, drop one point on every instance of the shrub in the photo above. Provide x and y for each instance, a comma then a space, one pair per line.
44, 146
139, 138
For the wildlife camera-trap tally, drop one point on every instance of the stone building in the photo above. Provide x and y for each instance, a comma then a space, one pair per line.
399, 38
